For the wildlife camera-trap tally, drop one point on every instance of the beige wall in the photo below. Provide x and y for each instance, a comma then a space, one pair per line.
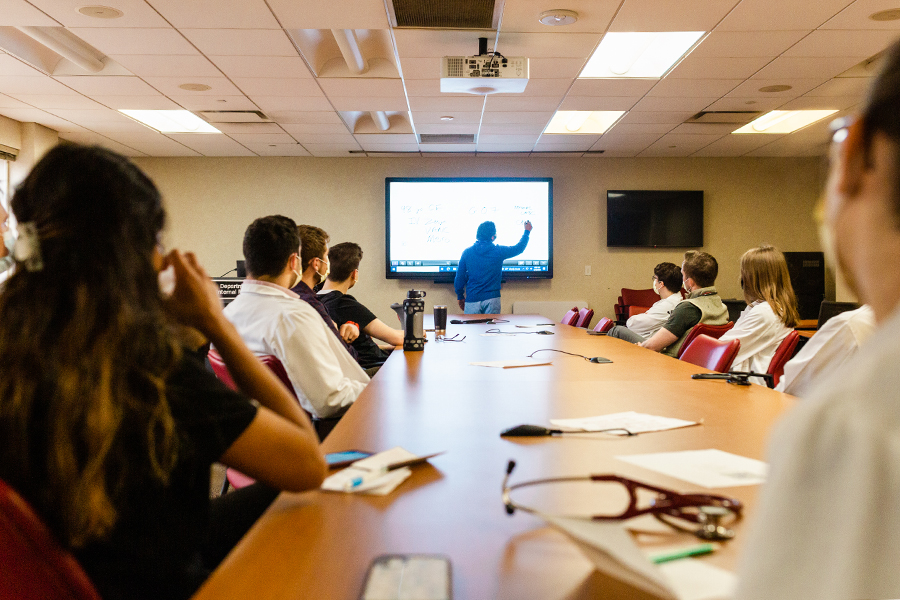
747, 201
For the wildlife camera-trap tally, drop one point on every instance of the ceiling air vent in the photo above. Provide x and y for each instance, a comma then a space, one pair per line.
234, 116
720, 117
446, 138
445, 14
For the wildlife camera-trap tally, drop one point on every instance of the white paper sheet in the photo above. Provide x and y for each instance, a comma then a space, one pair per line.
634, 422
381, 485
510, 364
707, 468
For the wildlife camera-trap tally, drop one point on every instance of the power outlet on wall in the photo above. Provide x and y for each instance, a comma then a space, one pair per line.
587, 269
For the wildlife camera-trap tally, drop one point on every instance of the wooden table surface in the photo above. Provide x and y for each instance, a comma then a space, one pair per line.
318, 545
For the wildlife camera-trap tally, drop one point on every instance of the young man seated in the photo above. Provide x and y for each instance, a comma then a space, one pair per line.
703, 305
667, 283
344, 308
273, 320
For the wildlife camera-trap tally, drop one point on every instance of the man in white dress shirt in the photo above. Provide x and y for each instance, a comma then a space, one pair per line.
827, 526
273, 321
667, 283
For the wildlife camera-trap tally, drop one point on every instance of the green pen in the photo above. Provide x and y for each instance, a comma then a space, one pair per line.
698, 550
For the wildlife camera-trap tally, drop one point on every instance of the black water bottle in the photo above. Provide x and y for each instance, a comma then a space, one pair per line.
413, 327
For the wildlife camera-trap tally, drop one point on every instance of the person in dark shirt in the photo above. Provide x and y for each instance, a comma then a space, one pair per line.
344, 308
109, 422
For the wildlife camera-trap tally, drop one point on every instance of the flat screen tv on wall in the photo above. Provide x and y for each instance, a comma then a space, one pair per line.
654, 218
431, 220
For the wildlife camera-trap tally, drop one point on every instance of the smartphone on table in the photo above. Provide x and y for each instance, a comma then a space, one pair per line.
408, 577
337, 460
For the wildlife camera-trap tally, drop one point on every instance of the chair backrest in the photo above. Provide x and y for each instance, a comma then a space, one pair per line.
783, 354
830, 309
33, 566
637, 310
639, 297
584, 317
604, 325
713, 331
711, 353
570, 317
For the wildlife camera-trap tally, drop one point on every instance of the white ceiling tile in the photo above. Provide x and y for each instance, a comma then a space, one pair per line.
575, 140
435, 117
324, 138
676, 144
116, 40
378, 147
214, 14
332, 149
262, 138
29, 115
272, 86
756, 103
508, 128
642, 128
291, 67
562, 153
444, 128
861, 43
347, 87
57, 101
692, 88
765, 15
842, 86
856, 16
108, 86
512, 103
11, 84
593, 15
662, 104
11, 66
625, 142
95, 115
278, 149
10, 102
542, 87
706, 128
700, 67
493, 138
462, 148
155, 65
337, 14
429, 87
119, 128
550, 143
799, 87
438, 103
229, 128
598, 103
342, 103
291, 103
555, 68
19, 12
548, 45
670, 15
823, 67
94, 139
612, 87
386, 138
135, 13
747, 44
285, 117
505, 148
136, 102
423, 43
821, 103
647, 117
214, 102
211, 145
296, 129
735, 145
611, 153
241, 42
420, 68
153, 144
500, 118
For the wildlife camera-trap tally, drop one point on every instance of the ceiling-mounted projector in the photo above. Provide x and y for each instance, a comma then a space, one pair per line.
485, 74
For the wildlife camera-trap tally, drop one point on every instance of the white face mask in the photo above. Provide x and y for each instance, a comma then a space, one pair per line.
166, 279
9, 240
297, 280
655, 285
327, 271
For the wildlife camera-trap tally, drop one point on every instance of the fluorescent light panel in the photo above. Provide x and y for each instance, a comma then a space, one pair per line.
171, 121
784, 121
580, 122
642, 54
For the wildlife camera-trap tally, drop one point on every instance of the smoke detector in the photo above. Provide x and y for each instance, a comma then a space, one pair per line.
557, 17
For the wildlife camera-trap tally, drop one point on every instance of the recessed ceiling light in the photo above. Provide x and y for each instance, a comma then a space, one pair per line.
101, 12
892, 14
557, 17
195, 87
446, 118
784, 121
582, 122
646, 55
769, 89
171, 121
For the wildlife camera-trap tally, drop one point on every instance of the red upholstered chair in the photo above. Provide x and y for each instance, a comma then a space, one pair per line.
634, 298
783, 353
604, 325
710, 353
33, 566
714, 331
570, 317
584, 317
637, 310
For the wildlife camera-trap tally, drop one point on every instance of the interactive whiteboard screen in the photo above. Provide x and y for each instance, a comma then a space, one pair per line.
430, 221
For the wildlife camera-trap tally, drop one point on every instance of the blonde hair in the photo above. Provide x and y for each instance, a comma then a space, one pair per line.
765, 277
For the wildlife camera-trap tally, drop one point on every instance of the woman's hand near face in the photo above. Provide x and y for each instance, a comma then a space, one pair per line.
195, 300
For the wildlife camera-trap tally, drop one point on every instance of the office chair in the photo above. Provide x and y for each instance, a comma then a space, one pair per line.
637, 298
33, 566
710, 353
571, 317
785, 352
584, 317
604, 325
830, 309
714, 331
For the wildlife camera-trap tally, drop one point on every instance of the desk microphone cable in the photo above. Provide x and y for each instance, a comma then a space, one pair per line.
591, 359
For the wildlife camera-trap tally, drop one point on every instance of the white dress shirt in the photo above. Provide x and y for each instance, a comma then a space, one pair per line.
827, 349
827, 525
274, 321
760, 331
648, 323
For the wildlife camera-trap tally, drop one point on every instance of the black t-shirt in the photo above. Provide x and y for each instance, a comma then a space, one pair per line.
684, 316
154, 548
343, 308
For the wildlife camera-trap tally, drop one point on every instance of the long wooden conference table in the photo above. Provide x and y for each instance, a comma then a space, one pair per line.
318, 545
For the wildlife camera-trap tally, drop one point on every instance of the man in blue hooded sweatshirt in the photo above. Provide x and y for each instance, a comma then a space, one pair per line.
478, 275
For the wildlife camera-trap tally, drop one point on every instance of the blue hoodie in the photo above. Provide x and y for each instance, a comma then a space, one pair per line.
479, 271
